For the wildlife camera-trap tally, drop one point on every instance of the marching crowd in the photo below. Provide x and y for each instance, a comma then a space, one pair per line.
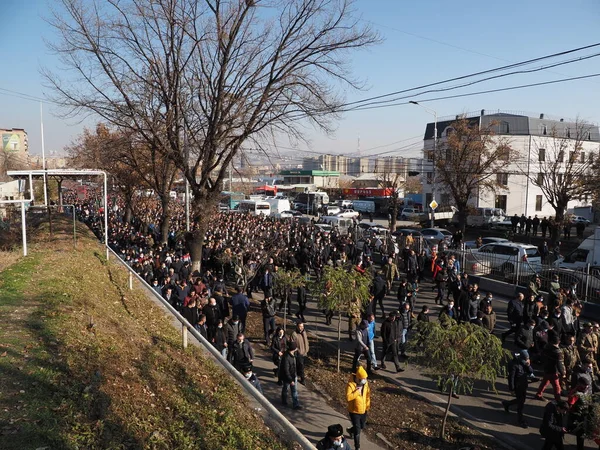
239, 248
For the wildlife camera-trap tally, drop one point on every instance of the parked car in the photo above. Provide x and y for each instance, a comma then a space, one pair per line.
405, 231
324, 228
302, 207
348, 213
588, 286
333, 210
485, 240
410, 214
504, 259
438, 234
578, 219
288, 214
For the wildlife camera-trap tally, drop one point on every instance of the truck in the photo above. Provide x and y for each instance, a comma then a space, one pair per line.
364, 206
587, 254
443, 216
278, 205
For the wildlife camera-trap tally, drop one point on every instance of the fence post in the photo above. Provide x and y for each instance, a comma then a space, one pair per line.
184, 335
130, 281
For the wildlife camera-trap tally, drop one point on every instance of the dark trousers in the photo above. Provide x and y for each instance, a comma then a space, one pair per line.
387, 348
301, 309
377, 299
357, 354
514, 328
519, 400
300, 366
358, 423
549, 444
268, 327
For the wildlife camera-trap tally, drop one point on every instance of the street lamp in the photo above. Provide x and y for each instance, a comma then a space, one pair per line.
435, 137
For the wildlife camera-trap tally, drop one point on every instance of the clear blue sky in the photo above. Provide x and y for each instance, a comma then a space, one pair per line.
425, 42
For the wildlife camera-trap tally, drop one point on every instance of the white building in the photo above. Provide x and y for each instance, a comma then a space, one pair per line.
533, 141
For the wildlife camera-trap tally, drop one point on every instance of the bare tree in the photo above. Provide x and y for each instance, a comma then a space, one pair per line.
218, 72
391, 181
564, 168
467, 162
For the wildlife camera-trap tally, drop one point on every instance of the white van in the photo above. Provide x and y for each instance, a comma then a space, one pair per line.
342, 224
485, 217
278, 205
588, 253
364, 206
254, 207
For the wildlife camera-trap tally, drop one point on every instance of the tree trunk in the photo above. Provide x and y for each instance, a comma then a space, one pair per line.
462, 218
203, 207
445, 418
394, 217
339, 351
128, 206
559, 220
165, 218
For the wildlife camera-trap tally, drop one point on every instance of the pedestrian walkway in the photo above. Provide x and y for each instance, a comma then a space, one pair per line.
312, 421
316, 415
482, 408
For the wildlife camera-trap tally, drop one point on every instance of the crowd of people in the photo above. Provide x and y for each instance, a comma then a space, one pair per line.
241, 249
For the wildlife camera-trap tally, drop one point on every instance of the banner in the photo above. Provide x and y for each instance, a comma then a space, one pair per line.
11, 142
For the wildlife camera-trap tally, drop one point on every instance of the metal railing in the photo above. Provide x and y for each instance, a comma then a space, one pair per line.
511, 269
186, 327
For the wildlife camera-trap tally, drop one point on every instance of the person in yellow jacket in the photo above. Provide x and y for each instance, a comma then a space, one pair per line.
358, 395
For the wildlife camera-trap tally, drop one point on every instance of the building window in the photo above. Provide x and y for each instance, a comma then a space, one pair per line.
568, 132
449, 154
540, 179
504, 153
582, 158
429, 177
542, 155
543, 130
538, 202
502, 179
561, 156
501, 202
445, 199
504, 128
429, 154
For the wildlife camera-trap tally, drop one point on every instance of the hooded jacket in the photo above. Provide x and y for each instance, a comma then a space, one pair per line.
359, 400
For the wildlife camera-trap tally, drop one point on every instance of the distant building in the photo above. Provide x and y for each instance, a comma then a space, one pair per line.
318, 178
14, 150
528, 137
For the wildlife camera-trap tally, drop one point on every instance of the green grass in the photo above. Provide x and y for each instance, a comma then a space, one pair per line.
86, 363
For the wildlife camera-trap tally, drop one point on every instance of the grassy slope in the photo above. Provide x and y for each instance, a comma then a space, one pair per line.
86, 363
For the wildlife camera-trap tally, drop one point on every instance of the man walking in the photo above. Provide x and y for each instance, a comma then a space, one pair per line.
362, 346
514, 312
239, 306
300, 338
358, 395
389, 335
552, 428
289, 376
554, 368
520, 373
334, 439
267, 307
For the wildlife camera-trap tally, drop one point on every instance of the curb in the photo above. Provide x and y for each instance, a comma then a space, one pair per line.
505, 442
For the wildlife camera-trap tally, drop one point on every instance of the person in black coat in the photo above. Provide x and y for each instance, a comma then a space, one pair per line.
289, 375
213, 315
520, 373
278, 348
552, 428
220, 339
191, 314
240, 353
524, 338
301, 298
514, 312
378, 291
389, 335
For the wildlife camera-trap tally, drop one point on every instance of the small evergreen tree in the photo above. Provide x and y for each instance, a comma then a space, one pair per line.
344, 291
459, 355
285, 283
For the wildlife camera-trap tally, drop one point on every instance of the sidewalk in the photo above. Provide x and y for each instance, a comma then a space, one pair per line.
482, 409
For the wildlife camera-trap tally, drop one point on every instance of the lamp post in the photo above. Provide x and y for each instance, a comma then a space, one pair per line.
435, 137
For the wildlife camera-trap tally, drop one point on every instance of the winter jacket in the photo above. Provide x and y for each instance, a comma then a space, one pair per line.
524, 338
232, 331
552, 423
489, 321
518, 376
514, 311
241, 353
268, 307
404, 320
388, 334
301, 340
240, 305
553, 360
326, 444
358, 402
287, 369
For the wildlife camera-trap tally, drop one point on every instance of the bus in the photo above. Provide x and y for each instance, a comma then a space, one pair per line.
254, 207
231, 199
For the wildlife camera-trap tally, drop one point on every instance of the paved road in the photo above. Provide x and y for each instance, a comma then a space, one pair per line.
483, 407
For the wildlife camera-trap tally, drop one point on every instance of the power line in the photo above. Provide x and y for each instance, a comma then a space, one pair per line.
497, 69
450, 88
11, 93
489, 91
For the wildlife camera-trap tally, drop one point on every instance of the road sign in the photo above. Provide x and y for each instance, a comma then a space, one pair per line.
433, 205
